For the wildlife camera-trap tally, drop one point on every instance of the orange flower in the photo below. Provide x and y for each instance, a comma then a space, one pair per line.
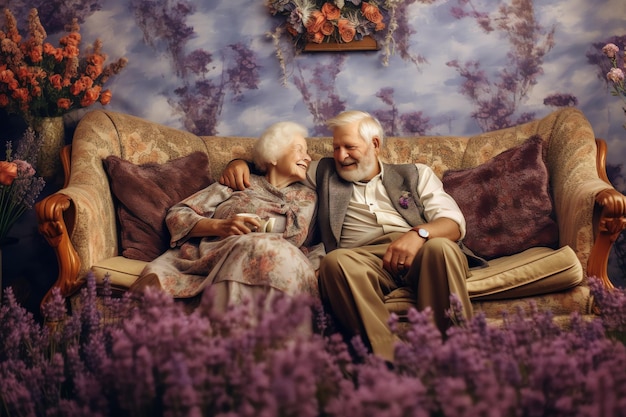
331, 12
70, 51
57, 53
82, 84
315, 22
105, 97
36, 53
8, 172
371, 12
55, 81
6, 76
96, 59
22, 72
71, 39
93, 71
21, 94
327, 28
64, 103
317, 37
91, 96
38, 79
346, 30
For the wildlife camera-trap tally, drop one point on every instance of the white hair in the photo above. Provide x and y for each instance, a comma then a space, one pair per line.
274, 142
369, 126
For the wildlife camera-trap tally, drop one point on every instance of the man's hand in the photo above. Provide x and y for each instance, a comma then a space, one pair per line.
401, 253
236, 175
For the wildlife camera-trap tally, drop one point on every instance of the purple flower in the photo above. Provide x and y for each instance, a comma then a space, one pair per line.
404, 199
255, 361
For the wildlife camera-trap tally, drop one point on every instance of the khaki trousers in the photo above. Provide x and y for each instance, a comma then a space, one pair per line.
353, 284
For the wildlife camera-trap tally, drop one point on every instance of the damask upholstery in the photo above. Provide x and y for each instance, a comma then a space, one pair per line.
79, 220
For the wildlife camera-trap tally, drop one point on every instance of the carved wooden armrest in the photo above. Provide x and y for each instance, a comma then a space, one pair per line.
55, 215
609, 221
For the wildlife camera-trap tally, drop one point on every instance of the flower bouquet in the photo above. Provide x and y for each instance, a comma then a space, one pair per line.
318, 21
39, 80
19, 186
333, 21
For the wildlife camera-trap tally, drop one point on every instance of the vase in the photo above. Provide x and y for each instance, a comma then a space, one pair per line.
51, 130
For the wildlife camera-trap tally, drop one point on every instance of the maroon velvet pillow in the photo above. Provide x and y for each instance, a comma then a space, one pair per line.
506, 202
145, 192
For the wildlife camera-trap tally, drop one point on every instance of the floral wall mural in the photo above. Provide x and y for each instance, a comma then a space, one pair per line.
445, 67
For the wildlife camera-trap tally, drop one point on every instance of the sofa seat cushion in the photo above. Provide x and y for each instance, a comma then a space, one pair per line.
559, 304
535, 271
123, 272
538, 275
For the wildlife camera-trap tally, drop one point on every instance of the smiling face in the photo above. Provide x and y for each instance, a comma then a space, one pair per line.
355, 159
292, 165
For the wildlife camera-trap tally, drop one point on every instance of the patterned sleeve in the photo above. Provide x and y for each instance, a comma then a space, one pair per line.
300, 215
182, 217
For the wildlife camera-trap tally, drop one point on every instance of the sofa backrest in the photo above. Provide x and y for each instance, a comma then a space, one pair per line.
571, 153
439, 152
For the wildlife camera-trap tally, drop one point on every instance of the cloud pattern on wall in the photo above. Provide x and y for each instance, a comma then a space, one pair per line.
460, 67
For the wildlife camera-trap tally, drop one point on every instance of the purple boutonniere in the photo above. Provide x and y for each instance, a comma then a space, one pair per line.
404, 199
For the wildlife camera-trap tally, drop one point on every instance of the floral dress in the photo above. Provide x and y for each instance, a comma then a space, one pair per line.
271, 261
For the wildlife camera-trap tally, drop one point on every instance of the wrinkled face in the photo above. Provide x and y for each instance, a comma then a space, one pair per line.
292, 165
355, 159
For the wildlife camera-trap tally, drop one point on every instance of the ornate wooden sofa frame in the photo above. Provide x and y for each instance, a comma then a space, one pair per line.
79, 221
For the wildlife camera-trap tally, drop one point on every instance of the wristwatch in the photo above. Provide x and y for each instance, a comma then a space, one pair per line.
423, 233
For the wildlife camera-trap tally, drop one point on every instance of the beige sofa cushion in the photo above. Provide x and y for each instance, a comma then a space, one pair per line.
123, 272
535, 271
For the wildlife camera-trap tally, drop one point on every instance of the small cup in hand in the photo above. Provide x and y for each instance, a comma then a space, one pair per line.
266, 224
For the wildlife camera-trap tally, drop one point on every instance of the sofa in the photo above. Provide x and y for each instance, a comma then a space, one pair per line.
551, 169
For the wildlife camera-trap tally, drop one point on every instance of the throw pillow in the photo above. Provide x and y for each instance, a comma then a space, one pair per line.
145, 192
506, 201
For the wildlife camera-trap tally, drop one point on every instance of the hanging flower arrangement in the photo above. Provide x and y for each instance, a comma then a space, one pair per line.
322, 21
334, 21
39, 80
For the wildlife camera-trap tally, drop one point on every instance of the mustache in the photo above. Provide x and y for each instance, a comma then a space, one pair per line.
349, 161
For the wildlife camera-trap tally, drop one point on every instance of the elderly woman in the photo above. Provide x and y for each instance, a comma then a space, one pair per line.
218, 238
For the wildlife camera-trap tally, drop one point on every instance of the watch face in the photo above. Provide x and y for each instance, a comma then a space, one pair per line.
423, 233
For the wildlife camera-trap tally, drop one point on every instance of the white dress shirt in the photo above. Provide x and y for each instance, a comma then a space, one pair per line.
371, 214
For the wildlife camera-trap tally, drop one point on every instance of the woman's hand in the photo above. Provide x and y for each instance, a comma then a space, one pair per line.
236, 175
236, 225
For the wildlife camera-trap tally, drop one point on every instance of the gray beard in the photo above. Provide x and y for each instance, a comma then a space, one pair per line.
364, 169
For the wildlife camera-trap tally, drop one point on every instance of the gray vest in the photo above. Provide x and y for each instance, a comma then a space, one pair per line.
333, 193
334, 196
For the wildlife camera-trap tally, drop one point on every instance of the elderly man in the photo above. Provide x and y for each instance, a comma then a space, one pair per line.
383, 226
